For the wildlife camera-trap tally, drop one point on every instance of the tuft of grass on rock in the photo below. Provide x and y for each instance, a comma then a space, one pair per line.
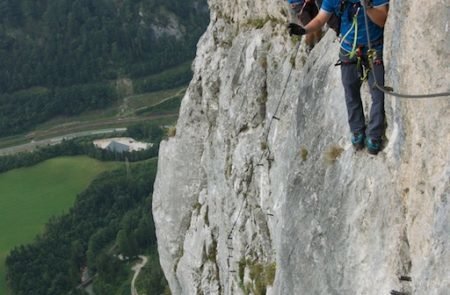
262, 275
295, 39
270, 271
263, 62
197, 206
258, 23
303, 153
212, 252
264, 145
292, 61
333, 153
171, 131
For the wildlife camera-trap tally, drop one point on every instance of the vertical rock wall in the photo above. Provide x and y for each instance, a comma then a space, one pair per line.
246, 202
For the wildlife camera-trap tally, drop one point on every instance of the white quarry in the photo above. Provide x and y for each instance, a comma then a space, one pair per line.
129, 143
260, 191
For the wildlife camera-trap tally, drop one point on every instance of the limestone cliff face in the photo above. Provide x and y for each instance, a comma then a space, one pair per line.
245, 203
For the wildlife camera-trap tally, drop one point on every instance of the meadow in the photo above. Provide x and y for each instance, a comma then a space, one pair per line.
29, 197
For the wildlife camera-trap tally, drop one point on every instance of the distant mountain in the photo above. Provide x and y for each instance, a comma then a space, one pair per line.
55, 54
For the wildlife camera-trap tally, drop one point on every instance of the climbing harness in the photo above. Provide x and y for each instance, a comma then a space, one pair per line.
351, 53
390, 90
371, 53
362, 62
357, 50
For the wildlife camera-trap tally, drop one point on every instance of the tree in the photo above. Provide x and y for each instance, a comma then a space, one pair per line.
127, 244
145, 232
77, 261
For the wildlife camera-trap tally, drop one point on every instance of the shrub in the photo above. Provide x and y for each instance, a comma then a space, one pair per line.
332, 153
171, 131
304, 153
261, 274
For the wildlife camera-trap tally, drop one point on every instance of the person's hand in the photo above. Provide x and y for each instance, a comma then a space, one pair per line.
295, 29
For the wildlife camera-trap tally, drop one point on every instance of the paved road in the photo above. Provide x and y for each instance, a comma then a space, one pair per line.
58, 130
55, 140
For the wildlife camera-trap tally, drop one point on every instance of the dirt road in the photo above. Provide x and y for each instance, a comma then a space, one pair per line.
137, 269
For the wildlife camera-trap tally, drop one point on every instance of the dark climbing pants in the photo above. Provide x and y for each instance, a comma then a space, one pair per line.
351, 72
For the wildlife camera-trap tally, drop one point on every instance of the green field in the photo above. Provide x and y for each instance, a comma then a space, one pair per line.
30, 196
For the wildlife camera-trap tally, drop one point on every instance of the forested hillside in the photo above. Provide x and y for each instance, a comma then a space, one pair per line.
111, 217
63, 57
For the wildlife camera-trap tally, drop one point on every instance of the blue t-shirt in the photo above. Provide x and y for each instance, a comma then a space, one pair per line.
375, 32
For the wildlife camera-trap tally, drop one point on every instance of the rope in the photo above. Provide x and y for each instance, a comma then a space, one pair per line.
278, 106
266, 138
351, 53
389, 90
244, 201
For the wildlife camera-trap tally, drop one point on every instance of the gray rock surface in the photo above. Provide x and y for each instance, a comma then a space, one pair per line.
240, 196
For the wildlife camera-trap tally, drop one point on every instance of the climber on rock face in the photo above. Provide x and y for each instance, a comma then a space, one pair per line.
357, 61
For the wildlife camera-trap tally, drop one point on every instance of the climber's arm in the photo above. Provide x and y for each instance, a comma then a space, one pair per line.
378, 14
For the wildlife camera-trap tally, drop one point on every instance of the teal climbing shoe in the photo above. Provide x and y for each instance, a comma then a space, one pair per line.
373, 145
358, 140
